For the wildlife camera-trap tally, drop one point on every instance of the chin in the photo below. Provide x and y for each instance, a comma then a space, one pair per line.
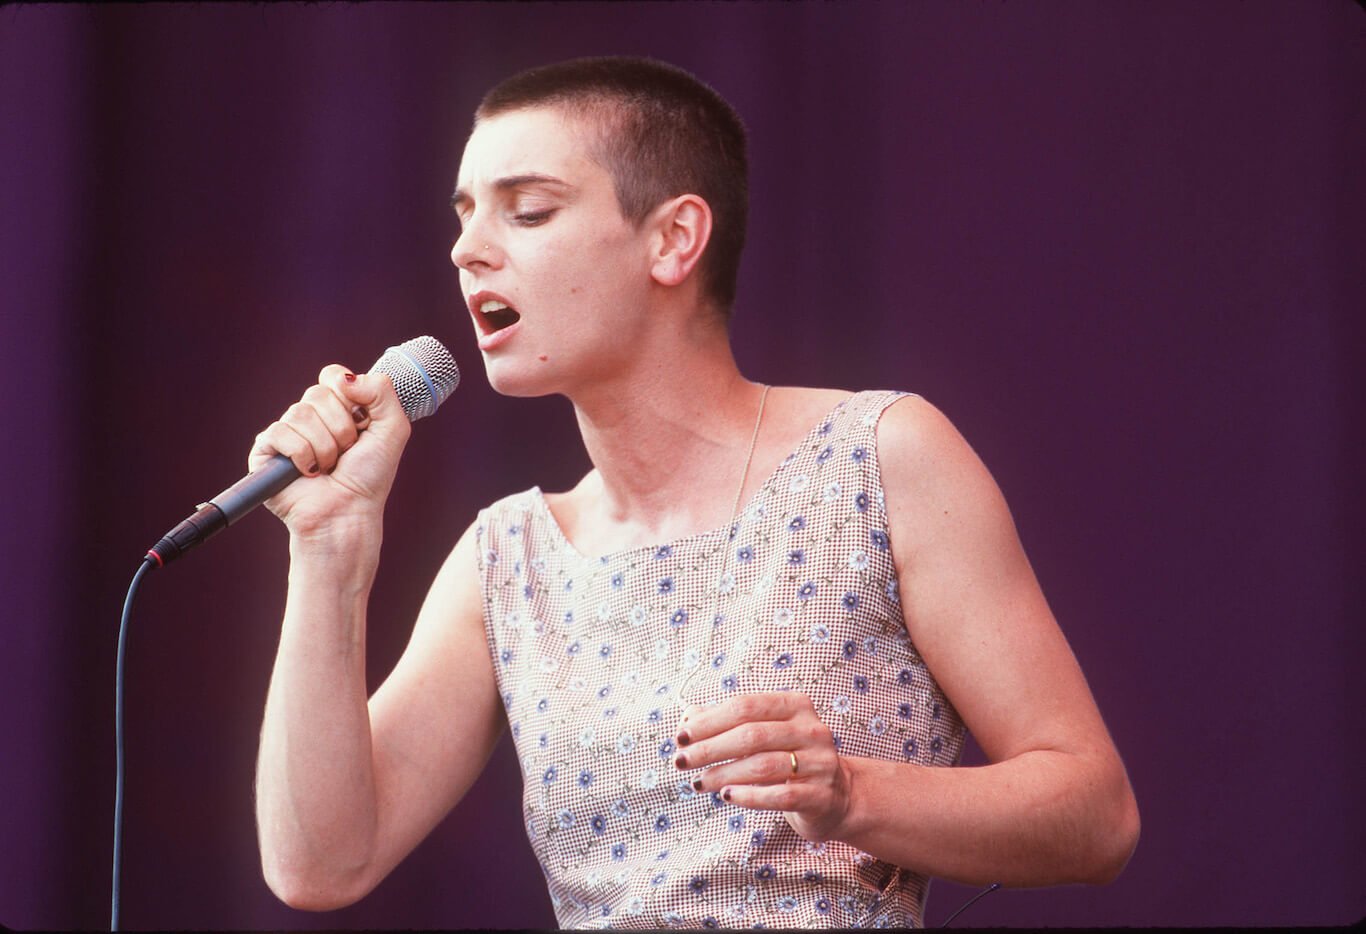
519, 378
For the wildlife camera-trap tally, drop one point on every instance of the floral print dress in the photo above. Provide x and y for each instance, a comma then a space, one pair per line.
595, 659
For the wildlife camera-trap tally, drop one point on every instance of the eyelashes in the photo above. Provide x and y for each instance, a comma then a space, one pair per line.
532, 218
523, 219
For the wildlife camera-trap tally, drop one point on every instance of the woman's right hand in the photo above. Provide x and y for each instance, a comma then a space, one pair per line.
345, 435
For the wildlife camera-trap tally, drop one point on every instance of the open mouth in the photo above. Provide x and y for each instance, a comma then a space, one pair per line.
497, 315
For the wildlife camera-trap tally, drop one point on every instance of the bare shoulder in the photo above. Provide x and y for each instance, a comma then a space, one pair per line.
937, 488
919, 447
913, 427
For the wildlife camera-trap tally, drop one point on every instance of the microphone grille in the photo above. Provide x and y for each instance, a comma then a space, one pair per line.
423, 372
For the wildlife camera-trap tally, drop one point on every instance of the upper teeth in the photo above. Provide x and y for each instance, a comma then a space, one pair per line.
492, 305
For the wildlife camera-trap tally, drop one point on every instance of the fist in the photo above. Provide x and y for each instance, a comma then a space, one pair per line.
345, 435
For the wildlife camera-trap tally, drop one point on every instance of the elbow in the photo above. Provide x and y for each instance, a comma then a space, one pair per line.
308, 892
1115, 840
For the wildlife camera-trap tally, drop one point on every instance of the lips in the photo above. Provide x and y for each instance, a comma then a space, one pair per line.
492, 312
495, 319
498, 316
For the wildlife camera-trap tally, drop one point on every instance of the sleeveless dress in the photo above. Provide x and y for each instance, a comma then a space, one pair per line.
595, 659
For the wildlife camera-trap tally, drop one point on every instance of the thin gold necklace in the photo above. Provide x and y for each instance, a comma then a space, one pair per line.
749, 458
729, 530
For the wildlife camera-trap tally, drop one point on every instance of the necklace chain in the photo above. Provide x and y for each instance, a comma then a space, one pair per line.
726, 545
749, 458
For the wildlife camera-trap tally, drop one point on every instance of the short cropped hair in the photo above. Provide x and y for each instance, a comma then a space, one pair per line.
661, 132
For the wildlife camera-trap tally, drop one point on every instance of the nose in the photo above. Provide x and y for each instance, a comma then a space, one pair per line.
472, 248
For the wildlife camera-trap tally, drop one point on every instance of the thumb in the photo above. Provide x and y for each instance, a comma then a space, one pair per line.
369, 396
375, 392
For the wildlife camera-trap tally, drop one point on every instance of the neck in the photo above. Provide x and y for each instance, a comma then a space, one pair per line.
669, 444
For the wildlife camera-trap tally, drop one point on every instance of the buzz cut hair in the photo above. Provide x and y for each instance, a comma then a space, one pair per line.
660, 132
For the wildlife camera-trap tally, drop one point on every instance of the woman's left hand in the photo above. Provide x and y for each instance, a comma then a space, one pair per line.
774, 753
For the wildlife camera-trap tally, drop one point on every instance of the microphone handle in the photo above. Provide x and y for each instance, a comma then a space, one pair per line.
423, 374
255, 488
226, 508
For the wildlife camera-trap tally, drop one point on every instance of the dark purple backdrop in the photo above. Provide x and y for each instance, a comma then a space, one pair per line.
1120, 245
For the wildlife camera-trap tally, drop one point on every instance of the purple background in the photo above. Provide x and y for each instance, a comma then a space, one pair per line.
1120, 245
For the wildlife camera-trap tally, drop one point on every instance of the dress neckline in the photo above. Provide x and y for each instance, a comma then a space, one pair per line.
544, 506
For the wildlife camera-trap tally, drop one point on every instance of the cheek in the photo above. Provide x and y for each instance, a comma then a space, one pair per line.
588, 279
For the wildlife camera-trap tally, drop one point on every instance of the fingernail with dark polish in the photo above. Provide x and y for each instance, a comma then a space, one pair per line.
697, 784
312, 468
680, 762
684, 738
360, 414
350, 377
725, 794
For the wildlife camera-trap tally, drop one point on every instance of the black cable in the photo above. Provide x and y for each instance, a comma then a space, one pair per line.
972, 901
147, 564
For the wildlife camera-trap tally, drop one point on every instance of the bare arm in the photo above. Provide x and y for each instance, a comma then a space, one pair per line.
1054, 806
347, 787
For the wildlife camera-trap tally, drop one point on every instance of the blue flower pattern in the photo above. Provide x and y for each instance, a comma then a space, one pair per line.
631, 845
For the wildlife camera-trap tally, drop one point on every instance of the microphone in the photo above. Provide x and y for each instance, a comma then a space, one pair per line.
424, 375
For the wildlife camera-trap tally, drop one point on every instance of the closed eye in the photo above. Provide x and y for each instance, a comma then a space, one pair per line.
532, 218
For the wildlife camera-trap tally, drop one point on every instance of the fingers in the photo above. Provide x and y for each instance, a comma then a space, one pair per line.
763, 768
816, 807
770, 752
302, 434
373, 405
753, 739
335, 417
315, 431
702, 722
369, 395
788, 797
280, 438
746, 739
358, 393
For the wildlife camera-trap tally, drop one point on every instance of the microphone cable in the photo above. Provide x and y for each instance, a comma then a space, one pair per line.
423, 374
972, 901
147, 564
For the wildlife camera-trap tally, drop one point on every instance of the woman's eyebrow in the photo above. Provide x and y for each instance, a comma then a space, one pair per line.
460, 197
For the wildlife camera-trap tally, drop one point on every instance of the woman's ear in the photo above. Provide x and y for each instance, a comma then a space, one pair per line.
682, 230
